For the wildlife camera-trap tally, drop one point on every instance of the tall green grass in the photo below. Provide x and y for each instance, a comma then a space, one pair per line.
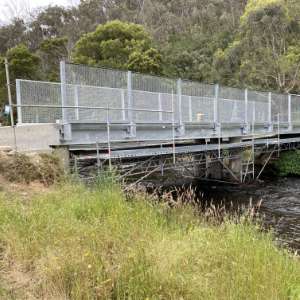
80, 243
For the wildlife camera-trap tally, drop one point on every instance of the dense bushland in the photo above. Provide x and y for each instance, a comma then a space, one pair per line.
75, 242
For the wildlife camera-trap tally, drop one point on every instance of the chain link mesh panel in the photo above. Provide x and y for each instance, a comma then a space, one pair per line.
143, 98
155, 84
80, 103
197, 102
279, 107
231, 105
112, 101
40, 93
85, 75
258, 107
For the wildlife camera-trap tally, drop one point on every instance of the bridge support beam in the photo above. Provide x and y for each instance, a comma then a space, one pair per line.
214, 169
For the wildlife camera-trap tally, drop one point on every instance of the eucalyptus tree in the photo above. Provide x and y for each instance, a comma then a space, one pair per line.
266, 50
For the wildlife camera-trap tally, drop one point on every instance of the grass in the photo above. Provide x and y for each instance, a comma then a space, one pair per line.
43, 167
78, 243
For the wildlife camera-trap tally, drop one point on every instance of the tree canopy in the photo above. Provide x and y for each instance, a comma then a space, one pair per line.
22, 64
266, 50
119, 45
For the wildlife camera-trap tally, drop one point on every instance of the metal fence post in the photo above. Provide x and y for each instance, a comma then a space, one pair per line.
173, 130
63, 89
123, 105
246, 111
160, 114
108, 139
76, 100
130, 104
9, 93
179, 95
290, 112
12, 121
270, 112
216, 107
19, 103
129, 95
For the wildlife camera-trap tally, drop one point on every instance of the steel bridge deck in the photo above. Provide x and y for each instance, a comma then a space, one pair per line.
190, 149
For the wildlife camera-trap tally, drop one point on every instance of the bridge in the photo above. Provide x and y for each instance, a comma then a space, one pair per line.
146, 124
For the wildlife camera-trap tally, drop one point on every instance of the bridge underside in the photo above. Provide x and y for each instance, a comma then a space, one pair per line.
237, 159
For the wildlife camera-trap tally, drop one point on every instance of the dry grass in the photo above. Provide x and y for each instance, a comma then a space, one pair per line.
79, 243
22, 168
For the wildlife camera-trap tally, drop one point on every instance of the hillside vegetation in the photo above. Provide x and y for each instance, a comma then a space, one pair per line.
74, 242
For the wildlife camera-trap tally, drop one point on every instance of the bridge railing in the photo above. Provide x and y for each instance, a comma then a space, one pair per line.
49, 102
86, 93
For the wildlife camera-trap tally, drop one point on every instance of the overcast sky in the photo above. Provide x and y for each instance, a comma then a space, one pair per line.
11, 8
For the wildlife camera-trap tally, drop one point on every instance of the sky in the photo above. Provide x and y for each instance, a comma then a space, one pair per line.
15, 8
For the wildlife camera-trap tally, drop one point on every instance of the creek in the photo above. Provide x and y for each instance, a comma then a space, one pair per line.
279, 208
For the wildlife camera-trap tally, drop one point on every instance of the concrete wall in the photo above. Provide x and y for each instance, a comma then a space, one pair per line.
30, 137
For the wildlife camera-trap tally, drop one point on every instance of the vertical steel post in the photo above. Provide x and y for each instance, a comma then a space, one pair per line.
173, 129
219, 141
19, 104
253, 150
270, 111
253, 157
278, 133
216, 106
63, 89
12, 122
160, 114
123, 105
129, 96
130, 103
290, 112
179, 94
246, 110
76, 100
108, 139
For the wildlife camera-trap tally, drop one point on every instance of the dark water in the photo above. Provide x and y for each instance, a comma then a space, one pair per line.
279, 209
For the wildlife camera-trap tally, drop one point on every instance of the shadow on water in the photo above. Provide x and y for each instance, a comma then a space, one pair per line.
279, 208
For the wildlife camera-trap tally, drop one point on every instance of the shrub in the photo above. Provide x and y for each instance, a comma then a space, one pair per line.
46, 168
289, 163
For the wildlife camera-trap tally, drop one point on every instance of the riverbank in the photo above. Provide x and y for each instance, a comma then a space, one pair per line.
71, 242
